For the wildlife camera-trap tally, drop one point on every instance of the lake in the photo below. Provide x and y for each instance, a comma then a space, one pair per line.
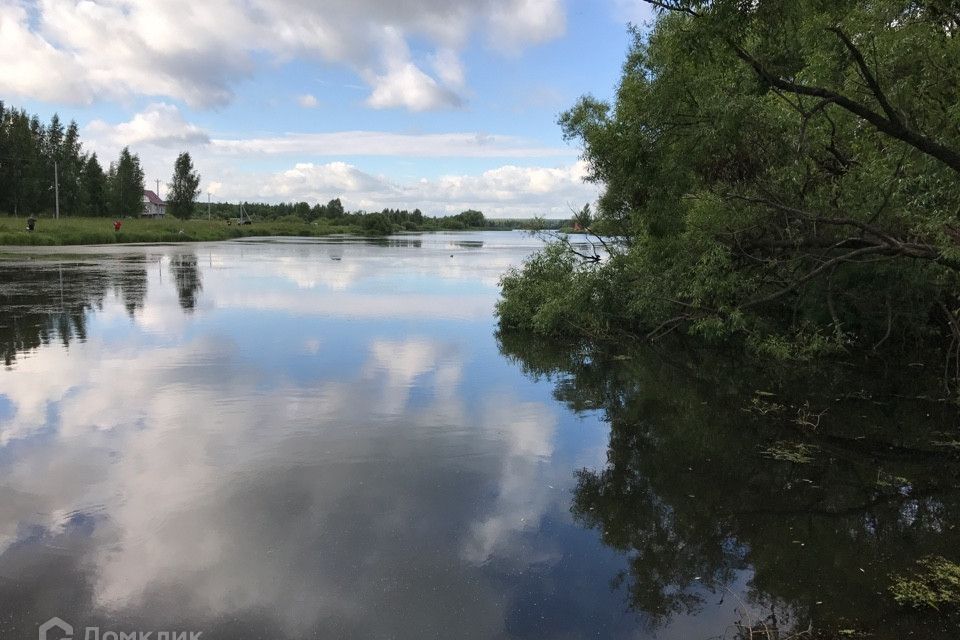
328, 439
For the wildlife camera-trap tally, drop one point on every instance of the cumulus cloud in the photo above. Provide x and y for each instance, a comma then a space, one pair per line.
160, 131
34, 67
405, 85
520, 22
334, 177
159, 124
78, 52
505, 191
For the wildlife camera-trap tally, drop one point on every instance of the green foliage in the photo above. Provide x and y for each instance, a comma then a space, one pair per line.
935, 583
77, 230
795, 452
377, 224
554, 293
125, 180
30, 152
185, 187
783, 174
472, 218
93, 188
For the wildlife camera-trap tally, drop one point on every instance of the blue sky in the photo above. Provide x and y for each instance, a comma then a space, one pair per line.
437, 104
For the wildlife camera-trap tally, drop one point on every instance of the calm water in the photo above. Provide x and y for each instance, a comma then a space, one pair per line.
326, 439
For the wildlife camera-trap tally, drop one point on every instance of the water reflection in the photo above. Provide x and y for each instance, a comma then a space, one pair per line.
296, 469
43, 301
253, 439
131, 283
700, 486
186, 276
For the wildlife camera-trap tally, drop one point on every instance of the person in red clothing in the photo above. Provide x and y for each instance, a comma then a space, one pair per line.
117, 224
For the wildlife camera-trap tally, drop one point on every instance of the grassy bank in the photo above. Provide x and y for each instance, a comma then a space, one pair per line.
74, 231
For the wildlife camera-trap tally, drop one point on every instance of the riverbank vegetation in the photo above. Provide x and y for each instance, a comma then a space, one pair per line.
779, 175
78, 231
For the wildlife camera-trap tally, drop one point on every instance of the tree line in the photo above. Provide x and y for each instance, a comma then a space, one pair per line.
387, 220
782, 174
33, 152
37, 157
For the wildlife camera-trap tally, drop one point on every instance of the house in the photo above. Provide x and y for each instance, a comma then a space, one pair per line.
153, 206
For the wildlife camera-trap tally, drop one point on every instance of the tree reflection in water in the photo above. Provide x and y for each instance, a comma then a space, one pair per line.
817, 485
45, 300
186, 276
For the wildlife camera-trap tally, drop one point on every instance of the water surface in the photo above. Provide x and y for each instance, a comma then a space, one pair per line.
326, 438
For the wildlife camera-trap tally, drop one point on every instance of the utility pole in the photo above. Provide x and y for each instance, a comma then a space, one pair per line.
208, 205
56, 188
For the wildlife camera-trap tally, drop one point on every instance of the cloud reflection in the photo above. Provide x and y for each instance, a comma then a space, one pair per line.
216, 492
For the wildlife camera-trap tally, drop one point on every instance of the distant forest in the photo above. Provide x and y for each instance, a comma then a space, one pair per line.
33, 152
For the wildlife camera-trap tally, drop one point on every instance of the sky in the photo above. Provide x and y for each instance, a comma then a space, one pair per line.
444, 105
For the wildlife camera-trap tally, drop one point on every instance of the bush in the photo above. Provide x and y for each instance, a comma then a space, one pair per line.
376, 224
556, 293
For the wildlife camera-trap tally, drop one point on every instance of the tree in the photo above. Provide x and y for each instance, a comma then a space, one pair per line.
93, 188
471, 218
184, 188
71, 163
125, 180
334, 209
377, 224
781, 173
52, 158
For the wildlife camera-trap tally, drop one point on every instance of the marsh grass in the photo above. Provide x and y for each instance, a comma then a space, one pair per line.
77, 231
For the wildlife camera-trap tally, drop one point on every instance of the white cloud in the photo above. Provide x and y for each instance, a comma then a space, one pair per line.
160, 132
505, 191
159, 124
32, 66
448, 68
77, 52
517, 23
308, 101
381, 143
335, 177
404, 84
407, 86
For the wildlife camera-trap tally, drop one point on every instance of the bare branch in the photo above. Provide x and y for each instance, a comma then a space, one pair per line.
893, 128
813, 274
673, 5
868, 76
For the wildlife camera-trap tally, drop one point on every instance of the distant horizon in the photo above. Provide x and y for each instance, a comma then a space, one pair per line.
445, 106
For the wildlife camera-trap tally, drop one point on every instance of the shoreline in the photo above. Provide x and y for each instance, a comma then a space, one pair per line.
100, 231
78, 231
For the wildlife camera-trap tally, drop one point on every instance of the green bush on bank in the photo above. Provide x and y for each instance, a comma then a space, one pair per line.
750, 197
